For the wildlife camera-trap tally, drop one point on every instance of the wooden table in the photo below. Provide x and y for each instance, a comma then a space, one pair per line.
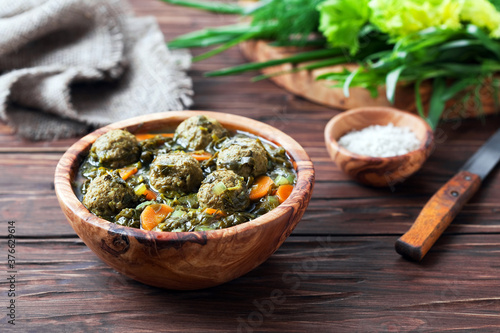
338, 271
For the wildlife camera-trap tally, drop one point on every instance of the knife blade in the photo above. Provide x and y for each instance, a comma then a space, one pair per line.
447, 202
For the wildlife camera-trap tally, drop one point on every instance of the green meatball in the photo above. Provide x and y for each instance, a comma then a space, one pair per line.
116, 148
175, 172
245, 156
198, 132
108, 194
224, 190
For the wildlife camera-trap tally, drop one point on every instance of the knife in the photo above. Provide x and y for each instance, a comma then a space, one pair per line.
447, 202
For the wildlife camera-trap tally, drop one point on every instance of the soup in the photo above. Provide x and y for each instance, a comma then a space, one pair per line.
200, 177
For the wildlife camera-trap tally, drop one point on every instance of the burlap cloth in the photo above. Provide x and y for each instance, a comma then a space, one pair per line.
67, 66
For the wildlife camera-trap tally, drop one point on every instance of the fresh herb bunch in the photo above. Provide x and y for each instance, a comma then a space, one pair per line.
291, 20
453, 43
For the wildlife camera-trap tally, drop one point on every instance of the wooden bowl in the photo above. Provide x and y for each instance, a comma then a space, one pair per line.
185, 260
377, 171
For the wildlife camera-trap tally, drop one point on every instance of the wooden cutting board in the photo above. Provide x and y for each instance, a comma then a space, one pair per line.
303, 84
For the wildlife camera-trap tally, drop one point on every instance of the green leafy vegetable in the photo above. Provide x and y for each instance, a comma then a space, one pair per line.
219, 188
496, 3
291, 19
454, 44
341, 22
301, 57
402, 18
279, 20
216, 7
483, 14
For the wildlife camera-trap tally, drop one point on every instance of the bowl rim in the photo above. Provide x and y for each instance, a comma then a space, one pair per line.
424, 146
71, 160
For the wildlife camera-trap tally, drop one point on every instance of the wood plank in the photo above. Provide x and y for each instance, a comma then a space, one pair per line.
338, 271
9, 142
36, 216
324, 283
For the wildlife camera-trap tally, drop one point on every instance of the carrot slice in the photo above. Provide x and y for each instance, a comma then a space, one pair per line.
283, 192
260, 187
212, 211
125, 173
150, 195
144, 136
154, 214
201, 155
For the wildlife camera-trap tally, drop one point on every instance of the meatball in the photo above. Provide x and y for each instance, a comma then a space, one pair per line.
224, 190
108, 194
245, 156
175, 172
116, 149
197, 132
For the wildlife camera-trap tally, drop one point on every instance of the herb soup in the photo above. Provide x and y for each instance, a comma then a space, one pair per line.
202, 177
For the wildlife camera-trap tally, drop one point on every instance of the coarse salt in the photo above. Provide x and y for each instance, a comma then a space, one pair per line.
380, 141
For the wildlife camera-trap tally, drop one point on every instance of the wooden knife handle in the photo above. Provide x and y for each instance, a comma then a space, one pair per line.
437, 215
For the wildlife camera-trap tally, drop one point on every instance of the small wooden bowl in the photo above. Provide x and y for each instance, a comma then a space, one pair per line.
378, 171
185, 260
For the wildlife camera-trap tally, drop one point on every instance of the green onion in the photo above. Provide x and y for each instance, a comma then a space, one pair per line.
298, 58
391, 81
216, 7
201, 42
315, 65
144, 204
349, 79
457, 61
436, 104
227, 30
273, 200
212, 36
280, 180
218, 188
203, 228
177, 213
418, 99
299, 43
140, 189
225, 46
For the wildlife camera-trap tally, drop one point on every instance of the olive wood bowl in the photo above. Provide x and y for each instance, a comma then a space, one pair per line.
185, 260
378, 171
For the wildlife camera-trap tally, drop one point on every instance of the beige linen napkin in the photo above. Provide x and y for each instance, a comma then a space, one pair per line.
67, 66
